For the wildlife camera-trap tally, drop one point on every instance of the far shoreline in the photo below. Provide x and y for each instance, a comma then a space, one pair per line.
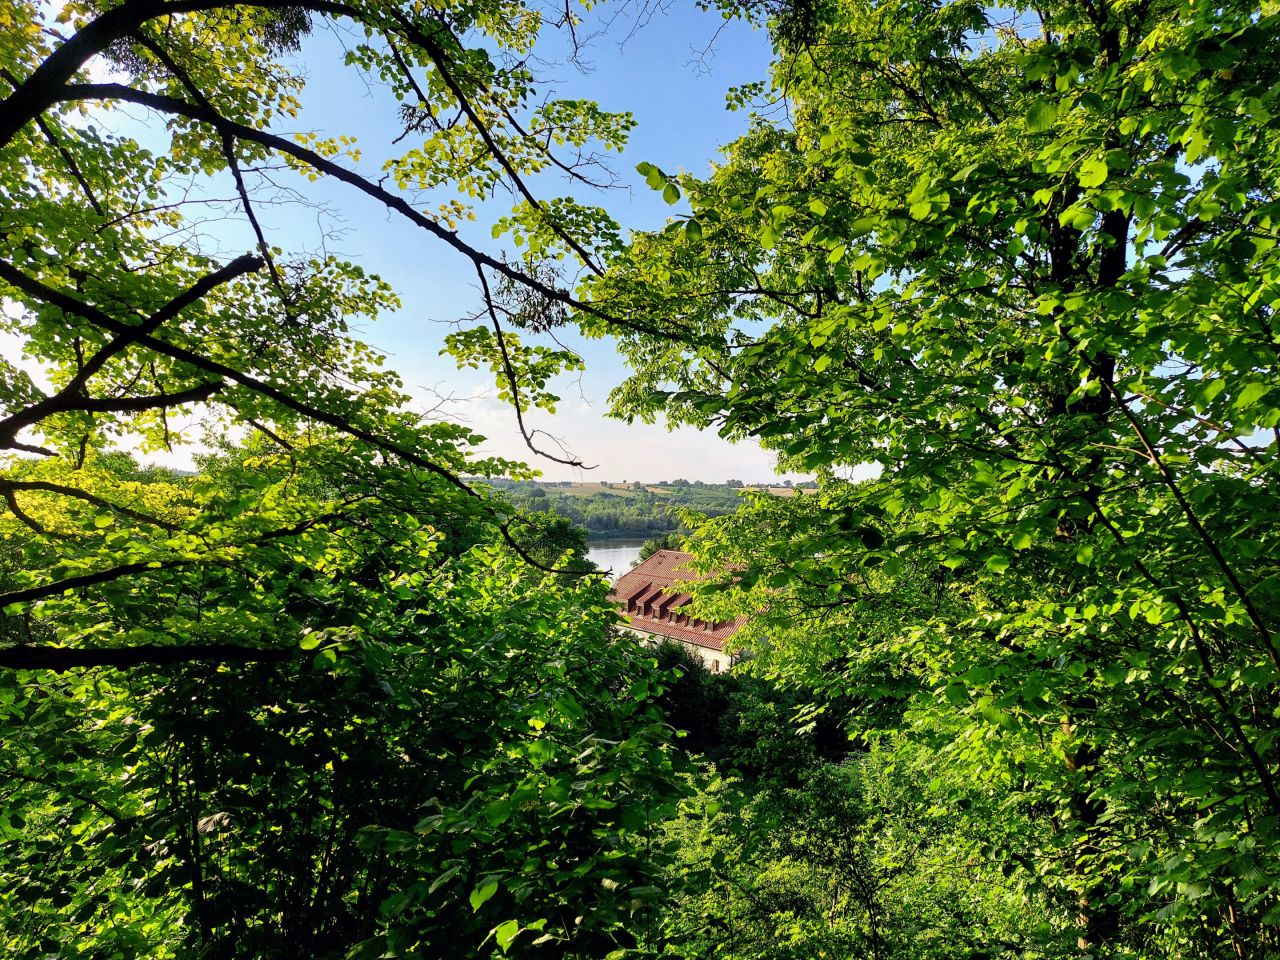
640, 535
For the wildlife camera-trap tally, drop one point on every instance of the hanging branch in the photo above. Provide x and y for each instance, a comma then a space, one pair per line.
512, 382
233, 163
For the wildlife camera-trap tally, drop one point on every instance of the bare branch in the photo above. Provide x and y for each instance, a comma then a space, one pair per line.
512, 381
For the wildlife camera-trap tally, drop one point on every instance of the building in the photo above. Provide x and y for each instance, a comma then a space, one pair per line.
652, 595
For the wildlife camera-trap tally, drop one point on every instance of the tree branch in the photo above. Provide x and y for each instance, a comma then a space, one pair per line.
68, 303
512, 381
9, 487
157, 401
40, 90
440, 59
184, 108
70, 397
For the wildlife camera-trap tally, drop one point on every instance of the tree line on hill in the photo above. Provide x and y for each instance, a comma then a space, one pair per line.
636, 510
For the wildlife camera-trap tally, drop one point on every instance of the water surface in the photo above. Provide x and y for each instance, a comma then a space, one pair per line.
614, 557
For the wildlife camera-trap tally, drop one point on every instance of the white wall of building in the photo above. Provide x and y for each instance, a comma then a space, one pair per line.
717, 661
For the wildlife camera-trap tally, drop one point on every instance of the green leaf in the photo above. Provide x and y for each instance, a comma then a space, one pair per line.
1093, 172
505, 932
1078, 216
1250, 395
481, 894
671, 193
652, 175
444, 878
1041, 116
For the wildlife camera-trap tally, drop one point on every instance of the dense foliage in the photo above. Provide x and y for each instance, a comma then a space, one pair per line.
799, 841
333, 695
454, 756
1022, 260
323, 696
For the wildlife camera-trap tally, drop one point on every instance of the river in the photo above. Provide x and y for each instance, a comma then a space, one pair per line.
614, 556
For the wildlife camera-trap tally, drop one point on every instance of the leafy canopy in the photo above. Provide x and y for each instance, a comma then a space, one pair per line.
327, 696
1022, 263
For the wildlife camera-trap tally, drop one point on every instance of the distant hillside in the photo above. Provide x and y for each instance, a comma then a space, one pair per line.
605, 508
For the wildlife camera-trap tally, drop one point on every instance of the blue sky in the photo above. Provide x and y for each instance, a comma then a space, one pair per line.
676, 91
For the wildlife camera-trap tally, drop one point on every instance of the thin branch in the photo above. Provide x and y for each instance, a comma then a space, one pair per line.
31, 594
68, 303
1202, 653
1210, 544
9, 487
440, 58
512, 382
36, 526
69, 584
173, 105
233, 163
270, 434
63, 152
31, 448
55, 785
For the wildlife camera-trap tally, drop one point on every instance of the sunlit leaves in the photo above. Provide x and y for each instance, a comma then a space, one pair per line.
384, 705
1031, 281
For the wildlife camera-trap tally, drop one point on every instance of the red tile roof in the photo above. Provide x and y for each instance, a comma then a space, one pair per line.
651, 595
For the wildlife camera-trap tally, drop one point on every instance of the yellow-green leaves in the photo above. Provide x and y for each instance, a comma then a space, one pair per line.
483, 892
521, 372
1093, 172
1041, 116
